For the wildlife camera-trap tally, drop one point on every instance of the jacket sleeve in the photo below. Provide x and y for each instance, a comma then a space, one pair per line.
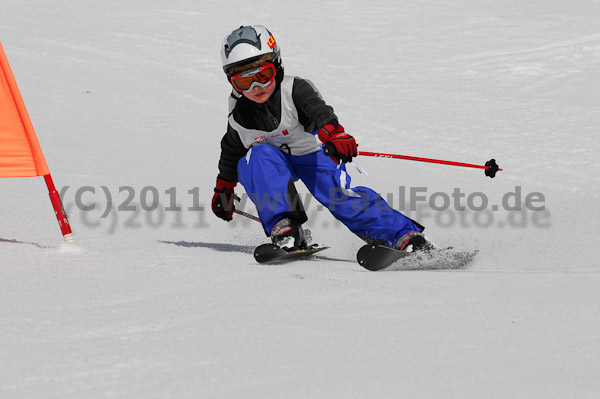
313, 112
232, 150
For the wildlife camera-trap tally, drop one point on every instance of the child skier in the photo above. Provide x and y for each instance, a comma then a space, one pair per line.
271, 141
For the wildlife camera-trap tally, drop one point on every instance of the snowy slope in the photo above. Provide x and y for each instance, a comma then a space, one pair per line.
129, 98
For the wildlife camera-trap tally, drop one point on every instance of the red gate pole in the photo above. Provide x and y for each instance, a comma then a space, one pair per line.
59, 210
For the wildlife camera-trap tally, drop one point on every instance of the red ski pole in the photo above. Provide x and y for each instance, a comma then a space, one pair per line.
249, 216
491, 167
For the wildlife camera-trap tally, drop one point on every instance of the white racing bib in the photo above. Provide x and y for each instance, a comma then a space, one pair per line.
290, 136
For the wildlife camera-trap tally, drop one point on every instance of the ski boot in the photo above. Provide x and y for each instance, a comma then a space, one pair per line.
289, 235
414, 242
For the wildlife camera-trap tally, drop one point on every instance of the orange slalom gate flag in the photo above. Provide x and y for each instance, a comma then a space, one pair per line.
20, 151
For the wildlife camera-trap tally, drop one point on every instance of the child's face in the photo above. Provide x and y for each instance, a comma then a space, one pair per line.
261, 94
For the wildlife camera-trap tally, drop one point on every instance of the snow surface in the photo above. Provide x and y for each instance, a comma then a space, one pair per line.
170, 304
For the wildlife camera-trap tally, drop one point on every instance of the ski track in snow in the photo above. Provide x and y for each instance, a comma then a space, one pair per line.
130, 95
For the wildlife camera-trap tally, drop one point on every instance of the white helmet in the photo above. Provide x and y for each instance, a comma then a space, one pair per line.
247, 43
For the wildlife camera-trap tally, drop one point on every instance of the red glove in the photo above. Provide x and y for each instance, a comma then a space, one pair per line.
222, 201
339, 145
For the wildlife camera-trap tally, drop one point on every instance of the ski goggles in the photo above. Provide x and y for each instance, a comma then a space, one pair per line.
246, 81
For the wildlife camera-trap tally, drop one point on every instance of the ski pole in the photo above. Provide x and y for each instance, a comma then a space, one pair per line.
491, 167
249, 216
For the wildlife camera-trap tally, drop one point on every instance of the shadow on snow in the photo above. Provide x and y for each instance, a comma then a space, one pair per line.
247, 249
35, 244
215, 246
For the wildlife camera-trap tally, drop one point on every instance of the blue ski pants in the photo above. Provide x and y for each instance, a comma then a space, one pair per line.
265, 173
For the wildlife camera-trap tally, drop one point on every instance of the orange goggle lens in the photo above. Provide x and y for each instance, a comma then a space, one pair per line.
247, 80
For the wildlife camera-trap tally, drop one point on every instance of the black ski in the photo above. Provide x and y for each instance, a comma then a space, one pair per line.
377, 257
271, 253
